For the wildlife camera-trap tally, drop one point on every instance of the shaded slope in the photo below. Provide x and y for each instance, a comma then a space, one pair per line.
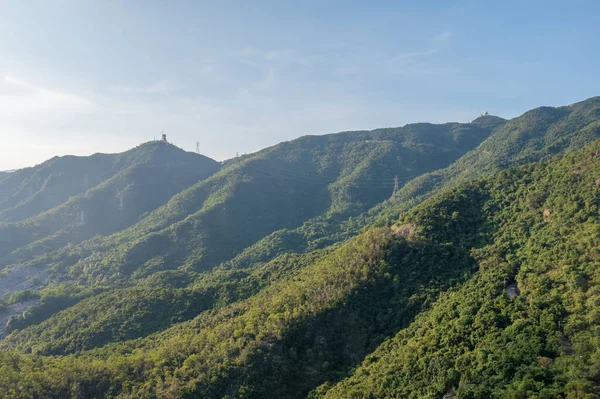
149, 175
27, 192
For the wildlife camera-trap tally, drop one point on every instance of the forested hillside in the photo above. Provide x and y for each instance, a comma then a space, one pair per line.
525, 325
299, 271
31, 191
536, 135
437, 282
533, 136
250, 197
322, 178
113, 191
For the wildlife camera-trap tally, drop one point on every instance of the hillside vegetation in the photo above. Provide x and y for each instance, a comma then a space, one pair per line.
534, 136
142, 179
334, 176
478, 341
28, 192
295, 272
536, 225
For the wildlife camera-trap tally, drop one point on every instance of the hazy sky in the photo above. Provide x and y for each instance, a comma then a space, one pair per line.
78, 77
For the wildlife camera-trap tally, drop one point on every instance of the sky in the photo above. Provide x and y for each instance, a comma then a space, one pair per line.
80, 77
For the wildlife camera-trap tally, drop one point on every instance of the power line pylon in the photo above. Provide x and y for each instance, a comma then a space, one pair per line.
396, 186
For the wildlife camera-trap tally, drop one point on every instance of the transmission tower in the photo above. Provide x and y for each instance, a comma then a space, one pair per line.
396, 186
198, 147
121, 205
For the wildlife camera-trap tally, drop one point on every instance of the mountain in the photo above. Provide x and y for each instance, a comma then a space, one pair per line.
301, 271
31, 191
5, 173
470, 286
250, 197
328, 177
536, 135
100, 194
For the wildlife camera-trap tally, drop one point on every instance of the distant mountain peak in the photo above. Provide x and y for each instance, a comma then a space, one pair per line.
487, 117
489, 121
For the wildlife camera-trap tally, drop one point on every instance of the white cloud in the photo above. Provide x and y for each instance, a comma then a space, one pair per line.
347, 69
326, 112
416, 70
415, 63
30, 98
419, 62
207, 69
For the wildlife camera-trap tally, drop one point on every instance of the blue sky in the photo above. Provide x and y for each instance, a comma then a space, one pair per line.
78, 77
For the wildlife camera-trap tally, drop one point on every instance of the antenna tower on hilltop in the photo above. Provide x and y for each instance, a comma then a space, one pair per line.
197, 147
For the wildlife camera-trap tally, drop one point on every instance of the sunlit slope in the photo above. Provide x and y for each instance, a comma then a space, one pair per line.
286, 339
480, 340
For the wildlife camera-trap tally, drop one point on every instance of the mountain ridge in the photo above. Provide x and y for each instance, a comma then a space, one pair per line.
269, 166
290, 327
299, 271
